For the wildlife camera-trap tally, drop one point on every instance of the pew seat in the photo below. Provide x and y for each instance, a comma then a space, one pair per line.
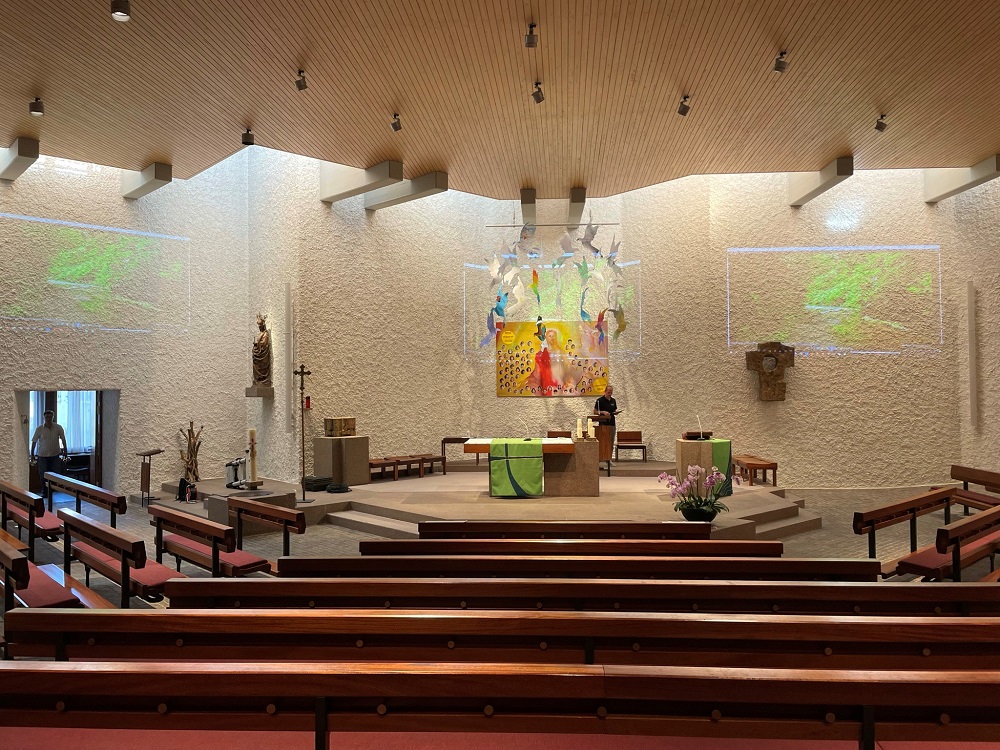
930, 563
146, 582
89, 598
231, 564
47, 525
43, 591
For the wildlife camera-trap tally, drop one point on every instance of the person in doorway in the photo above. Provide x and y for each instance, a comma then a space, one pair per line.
47, 440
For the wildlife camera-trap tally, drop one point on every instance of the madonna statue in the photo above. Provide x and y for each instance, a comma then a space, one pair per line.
262, 354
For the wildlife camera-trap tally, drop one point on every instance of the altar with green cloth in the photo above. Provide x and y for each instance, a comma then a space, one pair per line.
516, 467
716, 452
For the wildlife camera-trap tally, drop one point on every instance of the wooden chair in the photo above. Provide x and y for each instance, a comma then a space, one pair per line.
630, 440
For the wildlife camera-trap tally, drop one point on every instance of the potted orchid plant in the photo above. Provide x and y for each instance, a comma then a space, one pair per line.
698, 495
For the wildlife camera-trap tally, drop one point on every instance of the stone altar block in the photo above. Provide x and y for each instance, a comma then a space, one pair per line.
215, 502
343, 458
575, 474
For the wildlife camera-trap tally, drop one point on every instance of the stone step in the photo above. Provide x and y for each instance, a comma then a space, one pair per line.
764, 510
783, 528
393, 513
389, 528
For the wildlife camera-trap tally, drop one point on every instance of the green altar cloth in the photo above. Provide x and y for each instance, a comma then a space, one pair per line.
516, 467
722, 458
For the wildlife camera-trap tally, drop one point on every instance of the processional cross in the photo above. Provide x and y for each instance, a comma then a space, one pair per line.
301, 375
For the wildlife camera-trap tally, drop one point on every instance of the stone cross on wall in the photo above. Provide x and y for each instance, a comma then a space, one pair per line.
770, 361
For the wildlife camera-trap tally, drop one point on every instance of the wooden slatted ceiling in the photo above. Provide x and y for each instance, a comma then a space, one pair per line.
181, 80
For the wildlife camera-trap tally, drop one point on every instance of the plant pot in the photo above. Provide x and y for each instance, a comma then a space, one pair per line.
698, 514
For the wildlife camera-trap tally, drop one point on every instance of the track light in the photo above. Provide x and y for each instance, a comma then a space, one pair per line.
121, 10
300, 82
537, 94
880, 124
531, 38
36, 107
780, 63
683, 108
396, 124
248, 139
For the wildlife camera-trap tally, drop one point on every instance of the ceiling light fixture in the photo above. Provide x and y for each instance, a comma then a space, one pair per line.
880, 124
537, 94
780, 63
36, 107
396, 124
531, 38
248, 139
121, 10
300, 82
683, 108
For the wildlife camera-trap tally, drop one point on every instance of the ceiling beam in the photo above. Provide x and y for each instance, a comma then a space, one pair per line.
944, 183
804, 186
577, 200
407, 190
21, 154
338, 181
137, 184
528, 206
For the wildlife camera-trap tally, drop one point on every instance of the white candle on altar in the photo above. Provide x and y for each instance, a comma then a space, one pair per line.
579, 429
590, 427
253, 455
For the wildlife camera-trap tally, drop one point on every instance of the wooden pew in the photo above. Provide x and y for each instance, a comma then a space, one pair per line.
502, 699
567, 547
203, 543
27, 510
522, 566
117, 555
908, 510
786, 597
82, 491
564, 530
26, 586
988, 480
649, 638
286, 519
958, 544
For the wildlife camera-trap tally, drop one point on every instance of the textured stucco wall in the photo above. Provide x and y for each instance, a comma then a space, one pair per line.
165, 379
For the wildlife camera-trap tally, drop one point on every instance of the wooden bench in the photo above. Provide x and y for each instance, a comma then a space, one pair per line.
574, 594
117, 555
630, 440
908, 510
621, 638
568, 547
427, 461
26, 586
803, 708
286, 519
564, 530
750, 465
382, 464
557, 434
406, 462
959, 544
523, 566
988, 480
203, 543
82, 491
27, 511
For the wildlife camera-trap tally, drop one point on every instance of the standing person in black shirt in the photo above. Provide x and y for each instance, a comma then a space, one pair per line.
606, 406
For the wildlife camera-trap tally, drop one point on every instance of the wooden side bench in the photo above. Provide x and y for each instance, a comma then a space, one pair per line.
407, 462
203, 543
427, 461
958, 545
27, 586
27, 510
568, 547
630, 440
750, 465
564, 530
102, 498
382, 464
117, 555
286, 519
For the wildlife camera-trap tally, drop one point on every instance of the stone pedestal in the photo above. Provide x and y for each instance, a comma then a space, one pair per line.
260, 391
575, 474
218, 507
343, 458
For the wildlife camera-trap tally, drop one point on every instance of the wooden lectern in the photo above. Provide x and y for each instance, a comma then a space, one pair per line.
605, 437
145, 494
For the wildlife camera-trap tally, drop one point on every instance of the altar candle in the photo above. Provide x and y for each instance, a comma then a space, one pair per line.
253, 455
590, 427
579, 429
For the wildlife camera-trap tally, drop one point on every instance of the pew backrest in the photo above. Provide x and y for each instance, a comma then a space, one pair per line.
990, 480
15, 573
564, 530
30, 505
908, 510
566, 547
981, 527
522, 566
286, 519
218, 537
86, 492
94, 539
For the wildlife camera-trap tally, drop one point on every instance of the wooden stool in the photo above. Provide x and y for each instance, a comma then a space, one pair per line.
429, 459
383, 464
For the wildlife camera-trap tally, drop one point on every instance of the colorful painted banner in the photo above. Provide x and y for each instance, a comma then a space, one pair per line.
552, 358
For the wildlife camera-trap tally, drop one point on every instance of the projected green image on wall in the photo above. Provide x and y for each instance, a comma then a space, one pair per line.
58, 274
844, 299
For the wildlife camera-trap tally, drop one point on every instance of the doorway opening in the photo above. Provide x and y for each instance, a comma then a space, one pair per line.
80, 414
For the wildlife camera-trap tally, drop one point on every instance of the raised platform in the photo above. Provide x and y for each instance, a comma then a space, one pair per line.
628, 468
